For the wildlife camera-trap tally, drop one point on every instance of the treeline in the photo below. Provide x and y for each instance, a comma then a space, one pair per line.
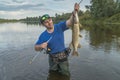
64, 16
56, 19
106, 11
8, 20
31, 19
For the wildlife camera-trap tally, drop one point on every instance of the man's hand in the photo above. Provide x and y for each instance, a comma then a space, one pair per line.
76, 7
69, 22
41, 46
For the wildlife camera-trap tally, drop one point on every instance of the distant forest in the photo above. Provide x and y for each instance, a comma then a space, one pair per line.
105, 11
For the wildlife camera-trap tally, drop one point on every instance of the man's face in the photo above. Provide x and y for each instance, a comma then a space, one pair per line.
48, 23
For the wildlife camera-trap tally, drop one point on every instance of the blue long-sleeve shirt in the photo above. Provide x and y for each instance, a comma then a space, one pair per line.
56, 43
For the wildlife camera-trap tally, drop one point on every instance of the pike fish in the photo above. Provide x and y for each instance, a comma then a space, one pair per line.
75, 34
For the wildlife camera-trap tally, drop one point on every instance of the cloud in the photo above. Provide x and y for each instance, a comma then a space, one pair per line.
17, 1
17, 7
58, 0
4, 2
23, 8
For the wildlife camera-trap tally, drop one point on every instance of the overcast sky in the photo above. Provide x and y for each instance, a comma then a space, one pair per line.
17, 9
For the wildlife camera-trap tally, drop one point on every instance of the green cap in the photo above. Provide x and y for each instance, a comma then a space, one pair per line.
44, 17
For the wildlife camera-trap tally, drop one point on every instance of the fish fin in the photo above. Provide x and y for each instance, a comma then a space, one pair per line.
80, 26
79, 46
80, 35
75, 53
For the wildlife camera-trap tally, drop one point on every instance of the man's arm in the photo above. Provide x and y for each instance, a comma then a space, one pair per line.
69, 22
39, 47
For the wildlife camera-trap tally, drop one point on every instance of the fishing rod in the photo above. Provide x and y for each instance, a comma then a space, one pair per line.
38, 53
80, 1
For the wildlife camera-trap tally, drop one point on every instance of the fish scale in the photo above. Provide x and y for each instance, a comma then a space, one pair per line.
75, 34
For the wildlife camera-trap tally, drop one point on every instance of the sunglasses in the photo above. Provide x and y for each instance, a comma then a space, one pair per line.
45, 17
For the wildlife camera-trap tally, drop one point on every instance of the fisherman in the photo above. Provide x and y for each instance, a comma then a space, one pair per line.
53, 39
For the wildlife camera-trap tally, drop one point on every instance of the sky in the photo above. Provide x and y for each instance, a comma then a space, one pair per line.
18, 9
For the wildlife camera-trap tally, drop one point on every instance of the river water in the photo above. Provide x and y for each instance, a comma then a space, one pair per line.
99, 56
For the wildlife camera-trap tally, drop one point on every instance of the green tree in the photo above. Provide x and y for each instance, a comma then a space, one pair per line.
117, 6
102, 8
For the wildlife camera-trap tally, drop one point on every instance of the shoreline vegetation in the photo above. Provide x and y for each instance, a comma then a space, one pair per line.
85, 19
98, 12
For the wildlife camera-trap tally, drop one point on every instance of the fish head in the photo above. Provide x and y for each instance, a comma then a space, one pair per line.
76, 18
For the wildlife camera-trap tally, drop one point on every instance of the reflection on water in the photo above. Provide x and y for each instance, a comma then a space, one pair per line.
14, 35
92, 64
18, 35
106, 38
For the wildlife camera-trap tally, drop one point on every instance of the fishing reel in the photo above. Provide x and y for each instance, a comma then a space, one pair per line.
67, 51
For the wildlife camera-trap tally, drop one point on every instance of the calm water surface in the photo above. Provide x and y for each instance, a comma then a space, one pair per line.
99, 56
17, 35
